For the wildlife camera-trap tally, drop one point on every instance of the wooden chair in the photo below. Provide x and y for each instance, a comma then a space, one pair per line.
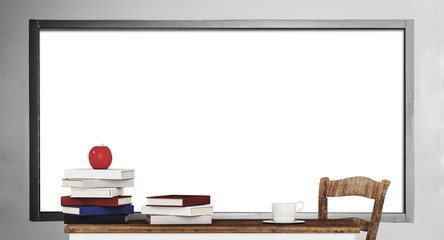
355, 186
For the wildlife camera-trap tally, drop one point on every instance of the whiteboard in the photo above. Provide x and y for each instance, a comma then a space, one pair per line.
248, 117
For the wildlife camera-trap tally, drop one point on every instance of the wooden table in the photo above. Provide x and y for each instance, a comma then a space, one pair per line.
220, 229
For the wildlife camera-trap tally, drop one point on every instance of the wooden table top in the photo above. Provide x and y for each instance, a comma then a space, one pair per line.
221, 226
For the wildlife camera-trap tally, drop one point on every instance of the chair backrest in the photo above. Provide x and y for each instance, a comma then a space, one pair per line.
355, 186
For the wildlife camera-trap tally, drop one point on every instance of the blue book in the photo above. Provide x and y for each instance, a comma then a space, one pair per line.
97, 210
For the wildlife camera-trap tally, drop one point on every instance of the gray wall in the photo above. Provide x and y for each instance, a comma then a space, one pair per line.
429, 91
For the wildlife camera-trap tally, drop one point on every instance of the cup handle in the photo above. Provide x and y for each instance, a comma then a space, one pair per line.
301, 207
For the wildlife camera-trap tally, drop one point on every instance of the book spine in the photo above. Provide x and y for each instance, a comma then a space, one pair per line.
106, 202
166, 210
159, 219
99, 210
66, 183
93, 174
179, 211
96, 192
107, 183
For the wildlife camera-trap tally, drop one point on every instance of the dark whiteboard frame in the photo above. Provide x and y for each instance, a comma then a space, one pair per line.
34, 92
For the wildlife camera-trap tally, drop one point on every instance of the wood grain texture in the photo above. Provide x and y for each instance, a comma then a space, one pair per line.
355, 186
221, 226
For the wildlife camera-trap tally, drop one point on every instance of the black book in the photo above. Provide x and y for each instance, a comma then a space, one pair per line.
95, 219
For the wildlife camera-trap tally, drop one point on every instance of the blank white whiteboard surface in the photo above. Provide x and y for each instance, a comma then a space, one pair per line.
248, 117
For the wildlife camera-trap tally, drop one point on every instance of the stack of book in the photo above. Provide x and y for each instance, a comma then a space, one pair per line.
97, 196
178, 209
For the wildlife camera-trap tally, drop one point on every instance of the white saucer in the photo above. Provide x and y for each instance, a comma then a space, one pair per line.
293, 222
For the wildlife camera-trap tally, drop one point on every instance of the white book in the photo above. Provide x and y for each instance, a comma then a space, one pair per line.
178, 211
165, 219
97, 183
90, 173
96, 192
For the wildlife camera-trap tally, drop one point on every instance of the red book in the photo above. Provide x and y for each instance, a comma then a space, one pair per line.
178, 200
105, 202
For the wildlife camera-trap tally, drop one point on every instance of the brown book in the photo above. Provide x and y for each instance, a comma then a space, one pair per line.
178, 200
106, 202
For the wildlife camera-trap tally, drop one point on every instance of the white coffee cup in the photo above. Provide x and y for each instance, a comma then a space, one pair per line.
285, 212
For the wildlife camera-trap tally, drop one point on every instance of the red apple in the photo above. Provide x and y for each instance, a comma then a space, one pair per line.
100, 157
